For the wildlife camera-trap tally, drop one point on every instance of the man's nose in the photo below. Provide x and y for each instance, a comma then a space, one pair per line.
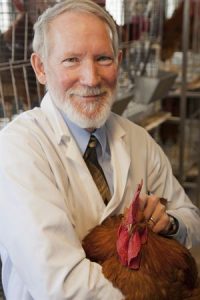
90, 74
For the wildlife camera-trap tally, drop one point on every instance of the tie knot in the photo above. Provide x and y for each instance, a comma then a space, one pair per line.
90, 152
92, 142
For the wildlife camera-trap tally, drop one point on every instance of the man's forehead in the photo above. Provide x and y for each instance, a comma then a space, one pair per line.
71, 16
70, 24
73, 21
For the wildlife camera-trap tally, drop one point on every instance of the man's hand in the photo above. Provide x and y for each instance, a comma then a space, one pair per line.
155, 212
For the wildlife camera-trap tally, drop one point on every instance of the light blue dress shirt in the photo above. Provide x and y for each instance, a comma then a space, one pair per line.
82, 137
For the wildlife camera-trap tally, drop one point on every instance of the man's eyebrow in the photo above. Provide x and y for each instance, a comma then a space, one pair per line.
71, 53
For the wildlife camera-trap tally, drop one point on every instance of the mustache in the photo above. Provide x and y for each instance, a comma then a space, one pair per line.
88, 91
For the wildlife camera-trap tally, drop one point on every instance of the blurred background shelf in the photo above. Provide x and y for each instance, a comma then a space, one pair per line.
155, 120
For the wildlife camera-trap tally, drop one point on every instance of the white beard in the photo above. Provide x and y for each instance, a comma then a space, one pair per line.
86, 115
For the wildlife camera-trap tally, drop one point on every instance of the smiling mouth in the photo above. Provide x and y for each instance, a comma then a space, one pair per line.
93, 96
90, 96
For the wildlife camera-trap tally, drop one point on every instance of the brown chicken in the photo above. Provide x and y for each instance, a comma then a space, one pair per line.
142, 264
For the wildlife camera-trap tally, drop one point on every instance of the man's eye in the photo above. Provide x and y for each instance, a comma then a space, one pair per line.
105, 60
70, 61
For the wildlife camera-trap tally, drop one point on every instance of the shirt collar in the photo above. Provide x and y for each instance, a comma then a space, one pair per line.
82, 136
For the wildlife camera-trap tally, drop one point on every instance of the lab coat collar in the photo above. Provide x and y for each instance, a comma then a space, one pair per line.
60, 129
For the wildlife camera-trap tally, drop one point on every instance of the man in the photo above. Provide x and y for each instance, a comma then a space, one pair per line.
48, 198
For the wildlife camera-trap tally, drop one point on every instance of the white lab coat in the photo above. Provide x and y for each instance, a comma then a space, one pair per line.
49, 202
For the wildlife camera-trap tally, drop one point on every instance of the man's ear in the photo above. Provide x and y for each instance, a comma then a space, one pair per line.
38, 67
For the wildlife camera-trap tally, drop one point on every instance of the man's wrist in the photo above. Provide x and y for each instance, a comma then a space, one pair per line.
173, 228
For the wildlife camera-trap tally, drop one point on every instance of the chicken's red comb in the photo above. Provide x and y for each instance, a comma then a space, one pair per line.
130, 217
130, 239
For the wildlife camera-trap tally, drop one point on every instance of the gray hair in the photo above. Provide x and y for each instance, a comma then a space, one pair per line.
88, 6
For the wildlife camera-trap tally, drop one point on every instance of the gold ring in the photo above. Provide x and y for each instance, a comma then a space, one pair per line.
153, 221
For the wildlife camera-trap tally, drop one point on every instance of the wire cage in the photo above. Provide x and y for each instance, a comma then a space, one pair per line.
19, 89
140, 38
144, 29
181, 53
139, 34
174, 40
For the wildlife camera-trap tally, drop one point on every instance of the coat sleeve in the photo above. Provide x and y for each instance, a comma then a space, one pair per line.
36, 230
162, 182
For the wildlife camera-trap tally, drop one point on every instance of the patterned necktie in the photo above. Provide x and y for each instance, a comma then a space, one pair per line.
90, 157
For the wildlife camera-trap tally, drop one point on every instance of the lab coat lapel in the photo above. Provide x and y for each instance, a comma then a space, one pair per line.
61, 131
81, 173
120, 163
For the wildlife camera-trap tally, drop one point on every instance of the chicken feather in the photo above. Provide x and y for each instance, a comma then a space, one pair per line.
167, 269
